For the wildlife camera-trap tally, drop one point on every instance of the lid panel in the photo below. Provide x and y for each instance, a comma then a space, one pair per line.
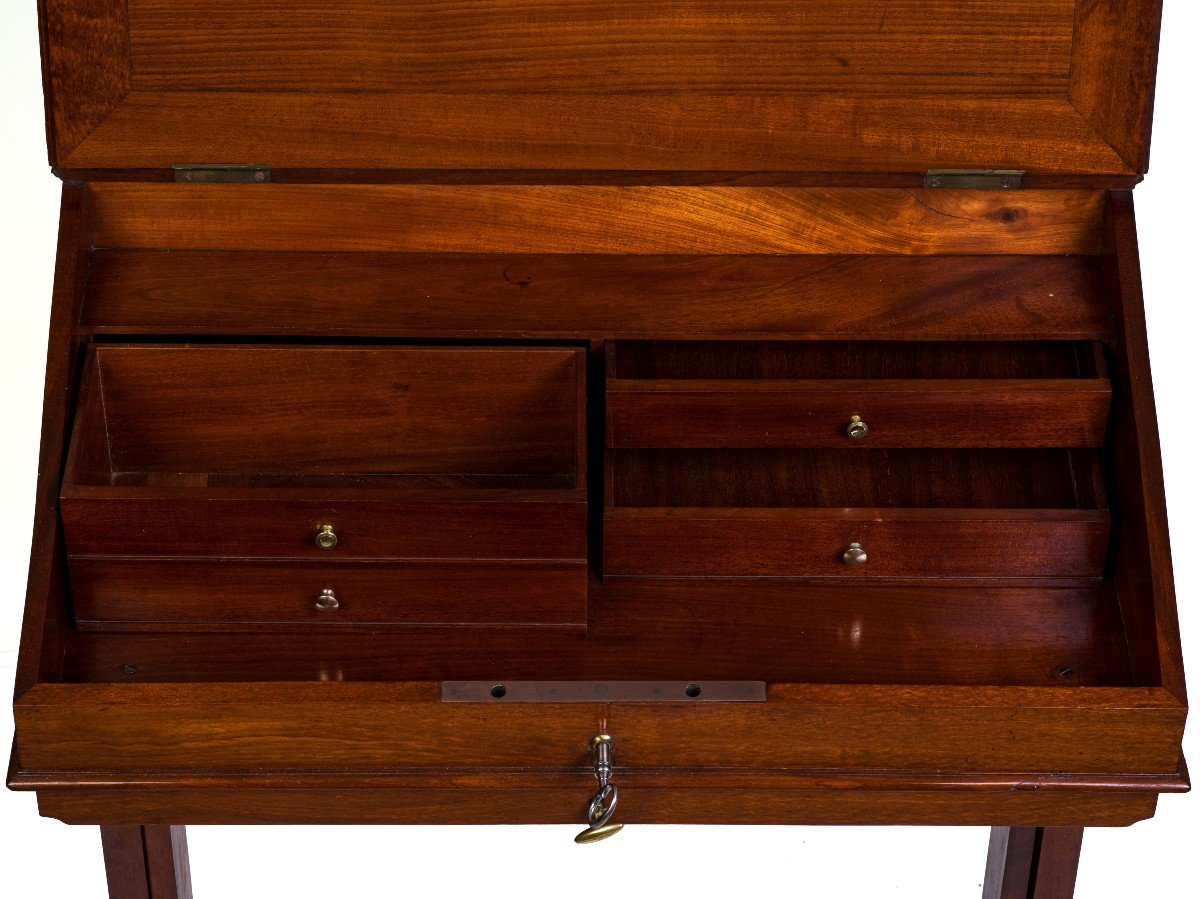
747, 47
603, 85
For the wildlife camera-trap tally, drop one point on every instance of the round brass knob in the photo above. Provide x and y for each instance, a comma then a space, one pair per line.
857, 429
855, 555
327, 601
326, 538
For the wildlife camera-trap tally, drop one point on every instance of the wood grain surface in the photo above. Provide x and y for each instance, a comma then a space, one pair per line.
176, 728
197, 594
562, 296
615, 46
573, 219
668, 628
678, 803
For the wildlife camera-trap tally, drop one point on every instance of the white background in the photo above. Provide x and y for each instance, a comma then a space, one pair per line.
40, 857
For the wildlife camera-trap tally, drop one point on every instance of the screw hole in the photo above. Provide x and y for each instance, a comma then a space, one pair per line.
692, 690
499, 690
1066, 672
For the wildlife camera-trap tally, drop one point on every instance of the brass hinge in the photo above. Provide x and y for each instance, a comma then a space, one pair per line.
223, 173
975, 179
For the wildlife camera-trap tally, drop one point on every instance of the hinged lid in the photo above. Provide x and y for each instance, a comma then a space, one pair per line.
1050, 87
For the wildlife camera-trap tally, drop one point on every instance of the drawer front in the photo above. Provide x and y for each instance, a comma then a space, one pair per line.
861, 543
327, 530
163, 594
682, 414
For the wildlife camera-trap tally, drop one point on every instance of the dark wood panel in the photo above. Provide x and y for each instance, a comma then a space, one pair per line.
47, 612
668, 629
947, 413
811, 543
855, 360
339, 410
480, 524
604, 45
177, 728
564, 219
446, 295
668, 805
865, 478
175, 594
1143, 570
683, 131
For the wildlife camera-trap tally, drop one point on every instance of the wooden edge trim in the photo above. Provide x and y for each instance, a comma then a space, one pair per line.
655, 778
885, 515
338, 693
922, 386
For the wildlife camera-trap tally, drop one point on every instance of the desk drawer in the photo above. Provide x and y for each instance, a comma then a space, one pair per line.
217, 457
174, 594
838, 394
863, 543
856, 514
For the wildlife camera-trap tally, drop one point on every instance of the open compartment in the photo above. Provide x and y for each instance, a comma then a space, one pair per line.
209, 486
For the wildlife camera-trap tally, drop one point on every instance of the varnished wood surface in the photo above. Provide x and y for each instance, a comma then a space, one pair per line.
572, 219
858, 479
370, 523
694, 130
337, 410
668, 805
146, 861
668, 629
735, 542
603, 85
47, 611
563, 296
1143, 572
773, 414
1117, 37
184, 729
1032, 862
607, 46
86, 67
191, 594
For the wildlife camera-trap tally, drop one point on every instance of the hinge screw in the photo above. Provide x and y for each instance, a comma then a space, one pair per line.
936, 181
260, 176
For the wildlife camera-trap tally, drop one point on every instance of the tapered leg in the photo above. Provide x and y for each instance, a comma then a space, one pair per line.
149, 862
1032, 862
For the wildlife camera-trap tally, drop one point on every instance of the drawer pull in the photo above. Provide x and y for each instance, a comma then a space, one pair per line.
857, 429
327, 602
326, 538
855, 555
604, 803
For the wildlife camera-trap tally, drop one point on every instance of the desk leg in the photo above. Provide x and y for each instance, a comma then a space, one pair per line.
1032, 862
149, 862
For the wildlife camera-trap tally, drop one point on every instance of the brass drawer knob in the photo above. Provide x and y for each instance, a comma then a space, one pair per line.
326, 538
327, 602
857, 429
855, 555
